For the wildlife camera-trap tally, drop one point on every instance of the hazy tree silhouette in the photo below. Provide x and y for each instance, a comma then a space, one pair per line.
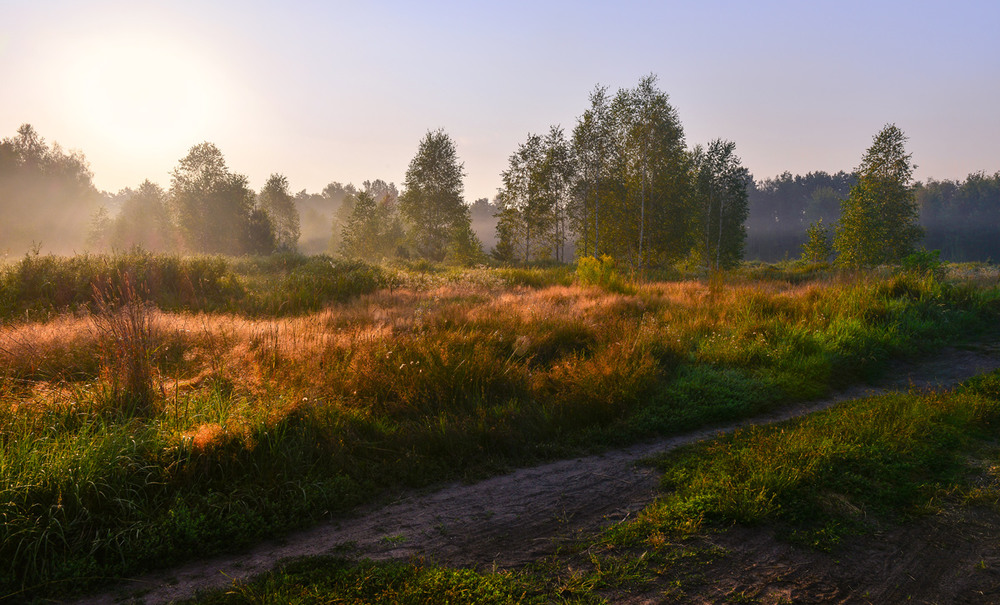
214, 208
144, 221
277, 203
46, 194
372, 230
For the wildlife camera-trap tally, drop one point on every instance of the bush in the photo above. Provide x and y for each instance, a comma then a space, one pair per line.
924, 262
603, 273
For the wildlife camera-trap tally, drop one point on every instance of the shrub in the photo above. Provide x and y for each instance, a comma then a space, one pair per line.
604, 273
924, 262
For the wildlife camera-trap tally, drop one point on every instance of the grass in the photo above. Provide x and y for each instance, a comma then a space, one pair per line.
262, 423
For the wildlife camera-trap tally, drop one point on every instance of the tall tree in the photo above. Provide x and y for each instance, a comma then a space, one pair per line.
432, 202
878, 220
558, 173
654, 215
524, 209
721, 184
592, 143
278, 204
534, 198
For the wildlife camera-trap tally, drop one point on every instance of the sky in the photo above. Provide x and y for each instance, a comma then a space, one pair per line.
323, 91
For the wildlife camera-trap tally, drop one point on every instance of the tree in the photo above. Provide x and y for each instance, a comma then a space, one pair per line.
279, 206
340, 199
464, 248
818, 247
653, 217
721, 184
214, 208
878, 220
372, 230
524, 209
432, 203
592, 144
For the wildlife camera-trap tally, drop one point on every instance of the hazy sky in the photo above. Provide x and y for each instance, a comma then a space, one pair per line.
343, 91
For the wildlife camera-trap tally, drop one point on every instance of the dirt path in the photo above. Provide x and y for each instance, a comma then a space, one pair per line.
510, 519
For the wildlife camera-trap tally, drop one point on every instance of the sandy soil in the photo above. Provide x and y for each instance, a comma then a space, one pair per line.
516, 518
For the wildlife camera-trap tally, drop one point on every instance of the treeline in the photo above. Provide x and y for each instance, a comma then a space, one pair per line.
962, 218
46, 197
625, 185
959, 218
621, 183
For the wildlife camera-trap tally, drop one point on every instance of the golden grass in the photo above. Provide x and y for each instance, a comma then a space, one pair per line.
221, 343
388, 348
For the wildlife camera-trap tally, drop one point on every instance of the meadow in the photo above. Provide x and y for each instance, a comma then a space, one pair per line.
155, 408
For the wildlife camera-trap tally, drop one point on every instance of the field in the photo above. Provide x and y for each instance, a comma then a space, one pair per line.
156, 408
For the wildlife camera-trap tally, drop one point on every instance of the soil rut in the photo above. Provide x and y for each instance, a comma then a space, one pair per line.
511, 519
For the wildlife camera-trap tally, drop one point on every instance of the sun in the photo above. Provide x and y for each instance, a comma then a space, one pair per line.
144, 94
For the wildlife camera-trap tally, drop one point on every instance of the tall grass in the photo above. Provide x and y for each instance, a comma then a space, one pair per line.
124, 329
39, 287
259, 424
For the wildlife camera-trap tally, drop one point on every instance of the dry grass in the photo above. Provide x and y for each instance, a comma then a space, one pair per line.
447, 341
252, 354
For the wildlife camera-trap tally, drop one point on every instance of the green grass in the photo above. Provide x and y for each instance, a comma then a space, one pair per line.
820, 478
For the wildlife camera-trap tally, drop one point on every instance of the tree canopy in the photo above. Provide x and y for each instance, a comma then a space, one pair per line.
626, 187
276, 201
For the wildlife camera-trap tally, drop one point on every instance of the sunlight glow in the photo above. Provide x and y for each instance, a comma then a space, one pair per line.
141, 95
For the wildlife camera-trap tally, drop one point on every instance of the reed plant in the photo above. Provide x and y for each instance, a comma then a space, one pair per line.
125, 333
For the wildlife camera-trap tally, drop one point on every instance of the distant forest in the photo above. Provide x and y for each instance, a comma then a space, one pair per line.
960, 218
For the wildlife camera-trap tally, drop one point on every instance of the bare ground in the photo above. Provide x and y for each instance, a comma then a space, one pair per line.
520, 517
